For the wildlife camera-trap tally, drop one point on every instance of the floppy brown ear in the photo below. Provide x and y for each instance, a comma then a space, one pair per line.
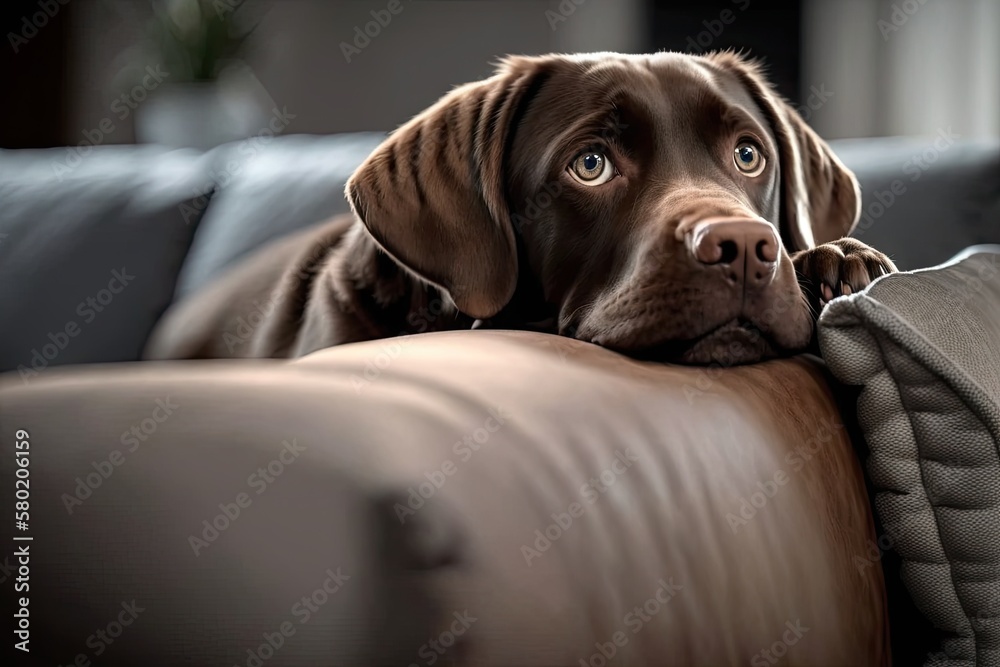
432, 195
821, 198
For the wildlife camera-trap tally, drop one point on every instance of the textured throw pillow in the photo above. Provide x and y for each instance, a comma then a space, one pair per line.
925, 347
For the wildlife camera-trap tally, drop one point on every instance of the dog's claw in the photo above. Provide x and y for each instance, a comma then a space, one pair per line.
832, 269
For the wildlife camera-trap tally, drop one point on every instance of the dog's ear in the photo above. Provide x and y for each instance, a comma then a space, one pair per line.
820, 197
433, 194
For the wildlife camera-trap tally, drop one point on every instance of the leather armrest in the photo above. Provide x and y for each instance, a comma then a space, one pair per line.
496, 498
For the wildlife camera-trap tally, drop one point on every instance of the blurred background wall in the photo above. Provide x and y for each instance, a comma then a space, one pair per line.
905, 67
854, 67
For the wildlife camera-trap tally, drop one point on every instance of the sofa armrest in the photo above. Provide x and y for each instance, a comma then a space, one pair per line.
495, 498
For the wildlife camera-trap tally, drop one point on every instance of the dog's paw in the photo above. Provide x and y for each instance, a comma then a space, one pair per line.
839, 268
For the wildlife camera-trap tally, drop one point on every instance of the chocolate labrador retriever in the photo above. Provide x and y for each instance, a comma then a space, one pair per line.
667, 206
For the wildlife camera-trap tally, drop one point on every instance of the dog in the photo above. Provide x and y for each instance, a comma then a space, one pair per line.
666, 206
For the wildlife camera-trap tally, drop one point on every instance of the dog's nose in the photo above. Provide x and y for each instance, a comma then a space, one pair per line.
749, 247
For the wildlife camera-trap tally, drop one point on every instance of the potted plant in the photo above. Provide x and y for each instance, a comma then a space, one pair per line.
188, 69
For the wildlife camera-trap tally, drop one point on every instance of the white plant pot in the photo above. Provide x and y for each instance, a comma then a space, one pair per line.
204, 115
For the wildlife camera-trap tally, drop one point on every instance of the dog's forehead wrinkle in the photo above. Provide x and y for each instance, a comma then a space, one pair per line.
617, 76
647, 85
599, 119
712, 86
688, 196
687, 70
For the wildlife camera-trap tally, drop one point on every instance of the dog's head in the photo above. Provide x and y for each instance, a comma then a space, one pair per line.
654, 198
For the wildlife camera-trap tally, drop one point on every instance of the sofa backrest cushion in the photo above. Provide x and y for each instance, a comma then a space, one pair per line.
90, 249
268, 189
925, 198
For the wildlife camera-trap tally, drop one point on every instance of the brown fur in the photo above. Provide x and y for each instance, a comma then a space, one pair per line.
468, 212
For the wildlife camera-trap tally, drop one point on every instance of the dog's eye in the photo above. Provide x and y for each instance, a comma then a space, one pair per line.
748, 158
592, 168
